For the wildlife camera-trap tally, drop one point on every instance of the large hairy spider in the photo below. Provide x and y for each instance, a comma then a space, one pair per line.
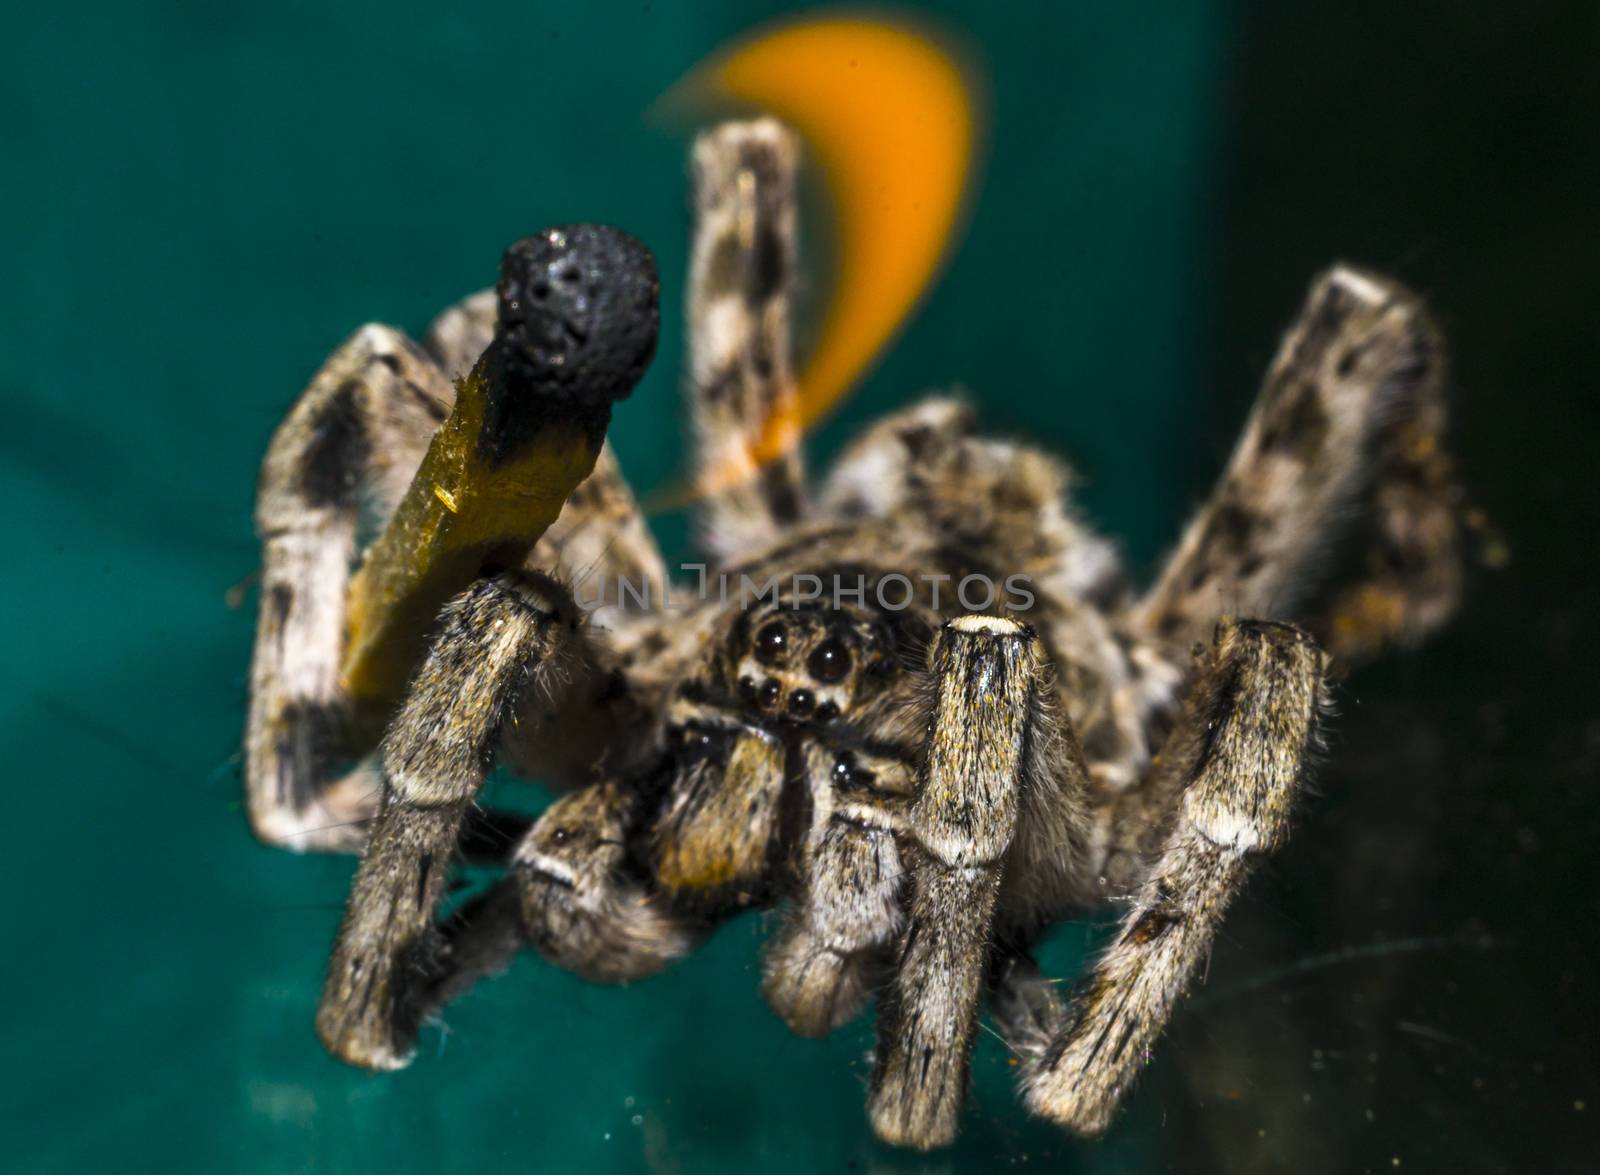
924, 715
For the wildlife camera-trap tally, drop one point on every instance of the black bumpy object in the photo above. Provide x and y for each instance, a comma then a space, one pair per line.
579, 310
578, 314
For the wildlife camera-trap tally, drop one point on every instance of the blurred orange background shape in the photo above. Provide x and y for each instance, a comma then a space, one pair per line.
890, 119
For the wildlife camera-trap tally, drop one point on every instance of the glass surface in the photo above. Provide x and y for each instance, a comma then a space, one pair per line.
201, 200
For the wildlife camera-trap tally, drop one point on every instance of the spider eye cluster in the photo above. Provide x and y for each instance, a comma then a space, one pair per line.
804, 666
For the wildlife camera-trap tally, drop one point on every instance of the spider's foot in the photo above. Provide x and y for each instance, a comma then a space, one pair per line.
813, 989
1064, 1093
370, 1009
360, 1019
356, 1044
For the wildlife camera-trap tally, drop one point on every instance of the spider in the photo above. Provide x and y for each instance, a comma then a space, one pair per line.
921, 784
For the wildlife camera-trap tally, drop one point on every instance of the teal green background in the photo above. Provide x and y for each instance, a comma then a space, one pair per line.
201, 200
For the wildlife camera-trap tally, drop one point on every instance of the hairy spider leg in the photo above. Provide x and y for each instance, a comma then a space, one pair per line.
504, 639
1347, 426
1251, 726
961, 825
352, 442
742, 396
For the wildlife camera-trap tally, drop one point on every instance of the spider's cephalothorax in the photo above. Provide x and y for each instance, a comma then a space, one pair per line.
918, 708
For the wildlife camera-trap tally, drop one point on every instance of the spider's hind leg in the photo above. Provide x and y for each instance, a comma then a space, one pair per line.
1341, 462
1005, 503
1236, 763
741, 285
350, 443
1405, 559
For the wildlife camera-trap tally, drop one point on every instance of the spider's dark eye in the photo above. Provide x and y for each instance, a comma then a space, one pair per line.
772, 643
829, 662
560, 836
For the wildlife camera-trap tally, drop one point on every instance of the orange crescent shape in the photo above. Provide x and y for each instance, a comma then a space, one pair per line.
891, 119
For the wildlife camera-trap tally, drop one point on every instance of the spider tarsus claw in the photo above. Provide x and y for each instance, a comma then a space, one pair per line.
379, 1059
901, 1122
355, 1043
1061, 1098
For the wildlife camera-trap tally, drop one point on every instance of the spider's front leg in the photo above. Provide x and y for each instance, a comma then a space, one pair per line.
1233, 770
960, 827
514, 637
